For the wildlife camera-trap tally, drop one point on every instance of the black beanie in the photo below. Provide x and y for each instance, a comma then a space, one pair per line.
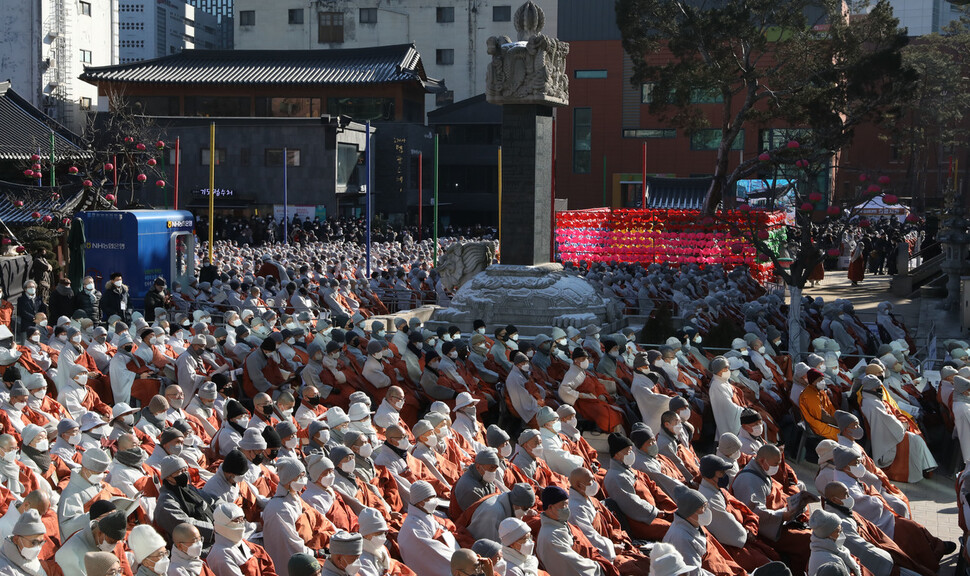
617, 443
273, 439
235, 463
234, 410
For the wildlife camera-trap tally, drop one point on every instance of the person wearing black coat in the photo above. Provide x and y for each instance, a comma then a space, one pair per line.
89, 299
28, 305
155, 298
61, 301
115, 300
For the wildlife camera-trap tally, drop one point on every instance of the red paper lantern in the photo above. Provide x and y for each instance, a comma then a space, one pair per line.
139, 146
38, 175
34, 157
129, 139
890, 198
18, 203
109, 167
793, 144
29, 173
911, 218
36, 167
807, 207
763, 235
88, 183
109, 197
833, 210
834, 252
884, 180
66, 221
35, 215
72, 170
873, 189
863, 177
142, 177
151, 162
21, 249
160, 144
160, 183
6, 241
815, 197
764, 157
47, 218
55, 196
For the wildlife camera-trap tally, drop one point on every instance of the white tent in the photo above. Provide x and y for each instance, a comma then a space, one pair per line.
877, 207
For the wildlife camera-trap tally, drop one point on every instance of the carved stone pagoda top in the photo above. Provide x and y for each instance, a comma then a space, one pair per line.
530, 71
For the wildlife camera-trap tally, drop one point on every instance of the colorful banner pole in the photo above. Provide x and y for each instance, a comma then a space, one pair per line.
435, 213
420, 195
367, 195
552, 190
286, 216
212, 187
53, 160
178, 162
643, 177
499, 195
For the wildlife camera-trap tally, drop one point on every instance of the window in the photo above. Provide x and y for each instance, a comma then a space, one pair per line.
590, 74
218, 106
501, 13
444, 98
85, 8
86, 56
288, 107
296, 16
772, 138
85, 103
445, 14
362, 108
649, 133
274, 157
582, 140
247, 17
367, 16
331, 28
699, 96
444, 57
220, 156
710, 139
646, 92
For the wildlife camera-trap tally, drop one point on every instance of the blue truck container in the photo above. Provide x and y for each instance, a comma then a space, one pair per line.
142, 245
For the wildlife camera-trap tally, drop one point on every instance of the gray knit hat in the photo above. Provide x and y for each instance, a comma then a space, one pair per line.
346, 543
371, 521
494, 436
688, 501
29, 524
843, 456
823, 523
421, 491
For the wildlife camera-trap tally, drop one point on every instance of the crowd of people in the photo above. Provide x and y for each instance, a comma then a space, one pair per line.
267, 418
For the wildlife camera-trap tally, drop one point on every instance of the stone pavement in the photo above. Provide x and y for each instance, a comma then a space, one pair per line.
933, 501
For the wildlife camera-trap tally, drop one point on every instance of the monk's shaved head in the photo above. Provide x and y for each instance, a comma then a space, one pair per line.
835, 490
579, 476
463, 561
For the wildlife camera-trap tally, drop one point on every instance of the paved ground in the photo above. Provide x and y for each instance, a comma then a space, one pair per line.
933, 501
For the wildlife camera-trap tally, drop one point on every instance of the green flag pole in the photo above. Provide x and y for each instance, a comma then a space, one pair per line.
435, 219
53, 159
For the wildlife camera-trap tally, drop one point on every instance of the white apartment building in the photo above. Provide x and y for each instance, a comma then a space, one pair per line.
44, 46
155, 28
923, 17
449, 35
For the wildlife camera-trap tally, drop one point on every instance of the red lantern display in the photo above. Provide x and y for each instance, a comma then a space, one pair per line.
807, 207
47, 218
36, 167
109, 197
142, 177
140, 146
160, 145
129, 139
873, 189
793, 144
151, 162
72, 170
833, 210
18, 203
160, 183
88, 183
34, 158
815, 197
884, 180
763, 235
890, 198
764, 157
35, 215
28, 173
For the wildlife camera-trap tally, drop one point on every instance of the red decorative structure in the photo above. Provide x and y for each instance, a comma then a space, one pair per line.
665, 236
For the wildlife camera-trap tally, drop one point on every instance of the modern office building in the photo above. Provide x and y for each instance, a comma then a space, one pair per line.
155, 28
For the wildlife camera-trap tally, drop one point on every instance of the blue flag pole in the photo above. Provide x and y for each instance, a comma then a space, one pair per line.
367, 195
286, 218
